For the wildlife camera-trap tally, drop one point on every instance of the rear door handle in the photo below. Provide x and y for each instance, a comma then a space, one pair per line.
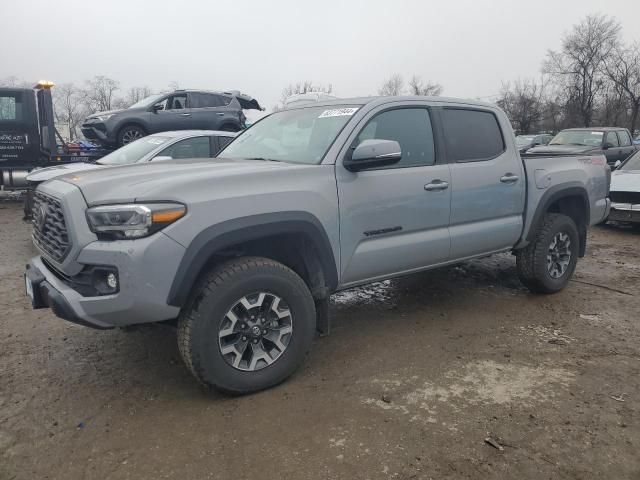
220, 113
185, 114
436, 185
509, 178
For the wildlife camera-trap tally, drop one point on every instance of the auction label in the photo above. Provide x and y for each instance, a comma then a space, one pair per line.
338, 112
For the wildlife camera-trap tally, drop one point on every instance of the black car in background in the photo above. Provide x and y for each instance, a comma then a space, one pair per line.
614, 143
525, 142
178, 110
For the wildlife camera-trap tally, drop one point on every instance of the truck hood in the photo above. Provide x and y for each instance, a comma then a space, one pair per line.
43, 174
167, 180
563, 149
625, 181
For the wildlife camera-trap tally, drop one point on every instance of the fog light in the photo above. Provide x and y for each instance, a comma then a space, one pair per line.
105, 280
112, 281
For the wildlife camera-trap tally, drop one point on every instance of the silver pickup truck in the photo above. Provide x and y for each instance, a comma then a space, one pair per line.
245, 250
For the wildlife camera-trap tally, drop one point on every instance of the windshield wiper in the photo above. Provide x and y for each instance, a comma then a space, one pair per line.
262, 159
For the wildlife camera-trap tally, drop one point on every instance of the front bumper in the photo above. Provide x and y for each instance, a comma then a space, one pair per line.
97, 131
45, 295
625, 212
146, 267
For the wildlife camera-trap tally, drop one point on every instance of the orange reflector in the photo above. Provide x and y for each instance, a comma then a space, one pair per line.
167, 215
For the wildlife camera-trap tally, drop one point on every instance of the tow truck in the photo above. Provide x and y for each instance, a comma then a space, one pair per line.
29, 138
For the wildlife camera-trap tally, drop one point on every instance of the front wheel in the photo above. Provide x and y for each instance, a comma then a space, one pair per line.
548, 262
247, 326
130, 133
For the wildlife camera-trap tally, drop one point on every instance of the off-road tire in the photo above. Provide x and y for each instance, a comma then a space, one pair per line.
202, 317
531, 261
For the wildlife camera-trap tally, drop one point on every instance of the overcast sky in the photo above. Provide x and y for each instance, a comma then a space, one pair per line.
469, 46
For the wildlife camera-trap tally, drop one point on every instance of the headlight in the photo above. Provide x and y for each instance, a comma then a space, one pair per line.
117, 222
104, 118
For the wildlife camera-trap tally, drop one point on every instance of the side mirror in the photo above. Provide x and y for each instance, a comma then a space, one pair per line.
158, 107
161, 157
373, 153
606, 146
535, 144
617, 164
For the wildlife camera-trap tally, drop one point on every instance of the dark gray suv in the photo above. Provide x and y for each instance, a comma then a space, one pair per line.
178, 110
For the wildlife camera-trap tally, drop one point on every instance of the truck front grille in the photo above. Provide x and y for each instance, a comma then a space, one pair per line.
625, 197
49, 227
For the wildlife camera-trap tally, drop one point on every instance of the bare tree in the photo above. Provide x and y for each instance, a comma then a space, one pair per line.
576, 68
174, 85
622, 68
100, 93
135, 94
15, 82
612, 106
69, 107
523, 103
394, 85
417, 87
553, 117
305, 86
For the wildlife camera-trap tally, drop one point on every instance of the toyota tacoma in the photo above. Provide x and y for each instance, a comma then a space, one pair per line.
243, 251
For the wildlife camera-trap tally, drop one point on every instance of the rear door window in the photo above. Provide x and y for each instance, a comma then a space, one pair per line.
196, 147
612, 140
472, 135
208, 100
625, 139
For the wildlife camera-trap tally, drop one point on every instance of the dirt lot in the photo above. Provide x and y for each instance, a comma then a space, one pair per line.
416, 374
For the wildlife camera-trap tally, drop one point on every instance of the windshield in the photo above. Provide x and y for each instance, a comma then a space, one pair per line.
147, 102
134, 151
588, 138
632, 164
524, 139
295, 136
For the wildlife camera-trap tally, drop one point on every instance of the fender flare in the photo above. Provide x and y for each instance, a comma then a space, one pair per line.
555, 193
231, 232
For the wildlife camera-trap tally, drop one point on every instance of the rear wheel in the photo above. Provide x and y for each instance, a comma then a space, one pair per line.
130, 133
548, 262
247, 326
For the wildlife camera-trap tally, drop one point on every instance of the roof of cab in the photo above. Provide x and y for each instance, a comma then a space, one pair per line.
378, 100
596, 129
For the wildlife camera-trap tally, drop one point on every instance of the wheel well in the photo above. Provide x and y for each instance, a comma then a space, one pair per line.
575, 207
295, 250
230, 127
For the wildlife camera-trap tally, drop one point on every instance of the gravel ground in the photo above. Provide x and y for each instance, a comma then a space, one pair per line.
416, 374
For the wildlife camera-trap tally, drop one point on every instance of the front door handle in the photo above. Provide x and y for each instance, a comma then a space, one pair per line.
509, 178
436, 185
220, 113
185, 114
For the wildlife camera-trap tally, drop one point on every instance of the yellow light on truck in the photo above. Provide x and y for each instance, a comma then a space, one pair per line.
168, 215
45, 84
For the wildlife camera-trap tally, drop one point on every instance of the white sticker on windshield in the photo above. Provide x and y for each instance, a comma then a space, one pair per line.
338, 112
597, 133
